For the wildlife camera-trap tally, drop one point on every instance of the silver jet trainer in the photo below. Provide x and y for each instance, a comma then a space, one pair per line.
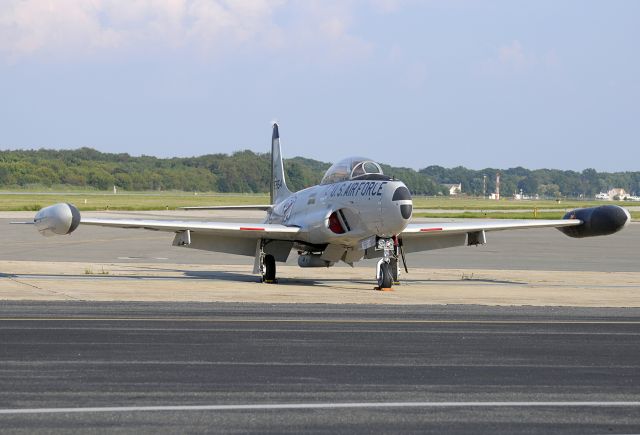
356, 212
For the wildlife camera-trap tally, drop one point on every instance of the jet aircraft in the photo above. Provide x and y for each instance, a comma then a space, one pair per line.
356, 212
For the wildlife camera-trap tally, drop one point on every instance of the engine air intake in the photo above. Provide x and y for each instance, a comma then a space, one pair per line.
334, 223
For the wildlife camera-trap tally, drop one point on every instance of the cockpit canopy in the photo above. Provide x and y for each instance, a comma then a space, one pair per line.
353, 168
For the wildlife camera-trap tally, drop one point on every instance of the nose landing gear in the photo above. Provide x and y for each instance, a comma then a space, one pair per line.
387, 270
385, 280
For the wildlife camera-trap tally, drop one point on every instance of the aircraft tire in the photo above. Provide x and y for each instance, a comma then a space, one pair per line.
393, 269
385, 280
269, 269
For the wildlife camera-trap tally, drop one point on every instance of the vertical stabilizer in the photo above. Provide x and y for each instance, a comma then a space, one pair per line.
279, 190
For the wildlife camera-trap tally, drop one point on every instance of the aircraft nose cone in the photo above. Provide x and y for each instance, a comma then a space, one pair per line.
406, 207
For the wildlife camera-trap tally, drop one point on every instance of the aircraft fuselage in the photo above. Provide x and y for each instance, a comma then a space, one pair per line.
347, 212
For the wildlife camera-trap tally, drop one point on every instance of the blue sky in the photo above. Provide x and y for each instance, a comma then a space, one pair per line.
411, 83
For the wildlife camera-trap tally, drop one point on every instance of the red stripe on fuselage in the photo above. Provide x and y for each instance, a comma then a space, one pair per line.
251, 229
424, 230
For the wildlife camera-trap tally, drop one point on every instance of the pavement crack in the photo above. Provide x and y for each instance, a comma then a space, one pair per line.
43, 291
24, 283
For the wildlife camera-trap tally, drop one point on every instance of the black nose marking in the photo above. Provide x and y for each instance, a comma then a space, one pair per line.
401, 193
405, 210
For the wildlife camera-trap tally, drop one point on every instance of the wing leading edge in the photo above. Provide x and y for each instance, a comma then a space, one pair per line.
431, 228
250, 230
439, 235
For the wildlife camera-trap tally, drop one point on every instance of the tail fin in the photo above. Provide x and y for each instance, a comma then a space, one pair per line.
279, 190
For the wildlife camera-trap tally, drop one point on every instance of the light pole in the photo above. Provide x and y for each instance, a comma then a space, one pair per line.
484, 187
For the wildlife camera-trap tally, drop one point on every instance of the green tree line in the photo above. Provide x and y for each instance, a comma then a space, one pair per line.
249, 172
543, 182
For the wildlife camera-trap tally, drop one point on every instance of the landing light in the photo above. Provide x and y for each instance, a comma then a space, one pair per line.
385, 243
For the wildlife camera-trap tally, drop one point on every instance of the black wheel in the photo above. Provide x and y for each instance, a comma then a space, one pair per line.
385, 280
393, 268
269, 269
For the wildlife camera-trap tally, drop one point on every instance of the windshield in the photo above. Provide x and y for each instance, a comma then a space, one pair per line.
351, 168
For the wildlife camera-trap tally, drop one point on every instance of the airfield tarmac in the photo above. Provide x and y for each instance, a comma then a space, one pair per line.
80, 367
113, 330
525, 267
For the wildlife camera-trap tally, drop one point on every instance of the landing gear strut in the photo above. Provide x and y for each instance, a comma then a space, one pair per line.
388, 267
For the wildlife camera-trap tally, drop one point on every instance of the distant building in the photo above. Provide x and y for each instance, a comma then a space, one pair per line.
454, 189
520, 196
615, 194
620, 193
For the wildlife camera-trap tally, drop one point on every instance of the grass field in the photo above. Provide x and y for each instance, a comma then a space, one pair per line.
505, 204
504, 215
456, 208
90, 201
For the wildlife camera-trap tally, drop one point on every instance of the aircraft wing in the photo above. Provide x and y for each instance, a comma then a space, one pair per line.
436, 235
229, 229
428, 228
229, 237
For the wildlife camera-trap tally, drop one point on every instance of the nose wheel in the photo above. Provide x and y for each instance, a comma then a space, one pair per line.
385, 279
387, 269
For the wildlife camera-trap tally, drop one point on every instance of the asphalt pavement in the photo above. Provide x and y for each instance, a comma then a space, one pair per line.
74, 367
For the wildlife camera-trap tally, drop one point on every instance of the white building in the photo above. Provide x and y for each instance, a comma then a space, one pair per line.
615, 194
454, 189
618, 192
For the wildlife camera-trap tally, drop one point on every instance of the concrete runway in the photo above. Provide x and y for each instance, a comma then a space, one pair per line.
167, 368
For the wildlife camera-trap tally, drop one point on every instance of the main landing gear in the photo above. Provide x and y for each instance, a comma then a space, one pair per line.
387, 270
265, 264
269, 269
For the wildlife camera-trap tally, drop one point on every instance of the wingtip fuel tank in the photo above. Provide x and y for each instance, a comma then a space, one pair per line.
597, 221
57, 219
